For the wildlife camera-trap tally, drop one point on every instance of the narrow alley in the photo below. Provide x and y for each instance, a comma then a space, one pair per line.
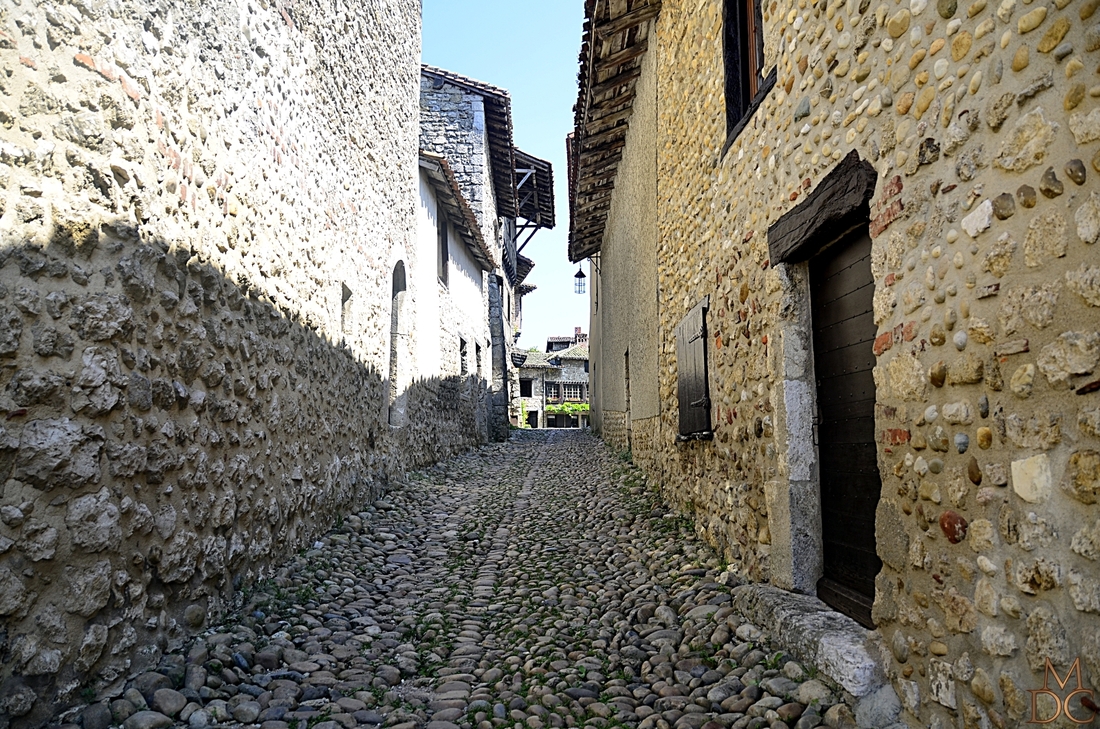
533, 583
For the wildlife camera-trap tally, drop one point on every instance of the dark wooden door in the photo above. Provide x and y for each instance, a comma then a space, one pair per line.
841, 293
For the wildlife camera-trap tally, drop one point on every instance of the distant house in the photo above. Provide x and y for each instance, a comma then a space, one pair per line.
553, 385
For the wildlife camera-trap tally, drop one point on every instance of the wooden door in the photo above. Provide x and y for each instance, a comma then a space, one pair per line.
841, 293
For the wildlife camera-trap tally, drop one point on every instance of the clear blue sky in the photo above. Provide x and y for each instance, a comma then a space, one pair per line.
529, 48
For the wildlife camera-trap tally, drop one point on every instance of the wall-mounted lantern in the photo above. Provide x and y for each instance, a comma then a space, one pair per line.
578, 280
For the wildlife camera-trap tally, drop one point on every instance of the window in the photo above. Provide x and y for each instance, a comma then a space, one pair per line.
345, 311
443, 257
572, 391
525, 388
586, 366
552, 390
398, 347
692, 388
477, 358
463, 368
743, 41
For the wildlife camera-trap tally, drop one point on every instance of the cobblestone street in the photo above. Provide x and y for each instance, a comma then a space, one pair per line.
530, 584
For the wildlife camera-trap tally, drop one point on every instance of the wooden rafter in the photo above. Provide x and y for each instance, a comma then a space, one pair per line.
626, 22
615, 40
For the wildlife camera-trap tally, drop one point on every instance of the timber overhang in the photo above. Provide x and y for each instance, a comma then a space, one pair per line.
614, 41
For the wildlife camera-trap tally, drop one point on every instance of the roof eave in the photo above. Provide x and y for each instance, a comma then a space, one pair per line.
610, 64
458, 211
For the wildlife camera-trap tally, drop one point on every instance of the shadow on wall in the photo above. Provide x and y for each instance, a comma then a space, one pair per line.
169, 437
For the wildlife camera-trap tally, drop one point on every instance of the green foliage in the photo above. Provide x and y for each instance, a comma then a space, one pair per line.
567, 408
523, 424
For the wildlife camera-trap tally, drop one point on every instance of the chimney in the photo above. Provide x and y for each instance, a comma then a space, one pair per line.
576, 333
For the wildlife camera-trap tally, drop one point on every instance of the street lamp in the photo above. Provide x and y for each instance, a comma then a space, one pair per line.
578, 280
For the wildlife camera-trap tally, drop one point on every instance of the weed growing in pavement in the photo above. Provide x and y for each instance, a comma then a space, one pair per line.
318, 718
773, 661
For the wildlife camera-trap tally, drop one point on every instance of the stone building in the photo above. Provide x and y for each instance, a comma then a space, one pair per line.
553, 385
455, 302
511, 194
221, 319
844, 308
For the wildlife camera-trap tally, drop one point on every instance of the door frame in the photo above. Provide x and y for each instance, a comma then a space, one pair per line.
840, 202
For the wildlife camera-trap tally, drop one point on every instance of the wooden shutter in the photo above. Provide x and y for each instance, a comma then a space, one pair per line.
692, 390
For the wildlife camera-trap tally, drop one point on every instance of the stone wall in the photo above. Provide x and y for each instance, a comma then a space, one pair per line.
452, 124
983, 126
613, 429
571, 370
625, 312
189, 195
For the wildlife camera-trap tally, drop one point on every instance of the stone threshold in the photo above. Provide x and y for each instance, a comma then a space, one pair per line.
815, 634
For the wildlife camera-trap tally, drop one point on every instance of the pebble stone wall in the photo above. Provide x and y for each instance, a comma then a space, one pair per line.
983, 121
188, 193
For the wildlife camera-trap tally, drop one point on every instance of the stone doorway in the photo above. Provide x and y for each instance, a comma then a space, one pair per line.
842, 322
825, 233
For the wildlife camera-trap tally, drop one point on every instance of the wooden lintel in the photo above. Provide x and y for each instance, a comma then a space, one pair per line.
628, 20
620, 57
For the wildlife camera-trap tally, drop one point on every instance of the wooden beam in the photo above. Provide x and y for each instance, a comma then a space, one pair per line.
596, 195
628, 21
595, 165
617, 80
604, 180
605, 134
594, 222
590, 217
613, 118
593, 207
620, 57
610, 105
605, 147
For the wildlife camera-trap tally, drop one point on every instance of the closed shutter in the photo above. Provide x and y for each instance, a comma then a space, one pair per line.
693, 394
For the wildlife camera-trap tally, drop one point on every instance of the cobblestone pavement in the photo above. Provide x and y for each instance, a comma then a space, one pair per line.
530, 584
